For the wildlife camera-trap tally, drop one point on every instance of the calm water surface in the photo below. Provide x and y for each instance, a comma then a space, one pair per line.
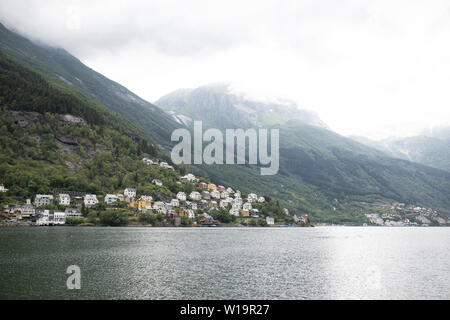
226, 263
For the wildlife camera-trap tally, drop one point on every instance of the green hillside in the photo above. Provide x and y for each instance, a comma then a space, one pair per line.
60, 64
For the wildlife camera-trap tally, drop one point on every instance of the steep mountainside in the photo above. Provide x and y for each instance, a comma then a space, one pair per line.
218, 106
321, 172
50, 139
60, 64
430, 151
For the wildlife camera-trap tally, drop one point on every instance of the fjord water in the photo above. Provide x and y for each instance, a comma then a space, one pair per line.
226, 263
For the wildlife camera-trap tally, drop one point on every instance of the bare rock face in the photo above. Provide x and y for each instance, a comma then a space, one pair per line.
68, 118
23, 119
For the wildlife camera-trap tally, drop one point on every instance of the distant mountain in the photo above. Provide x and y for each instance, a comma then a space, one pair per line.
430, 151
62, 65
321, 172
219, 106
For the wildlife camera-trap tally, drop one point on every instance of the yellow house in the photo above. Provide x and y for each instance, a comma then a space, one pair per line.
141, 204
212, 186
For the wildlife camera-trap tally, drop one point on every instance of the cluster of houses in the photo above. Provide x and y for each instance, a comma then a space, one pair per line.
41, 217
207, 196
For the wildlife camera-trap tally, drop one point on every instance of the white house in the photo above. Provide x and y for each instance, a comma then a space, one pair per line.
146, 198
90, 200
189, 178
224, 203
261, 200
206, 195
42, 217
158, 205
59, 217
43, 200
175, 203
215, 194
181, 196
230, 191
247, 206
252, 197
237, 202
64, 199
195, 196
224, 195
270, 220
130, 192
72, 213
190, 213
2, 188
193, 205
111, 198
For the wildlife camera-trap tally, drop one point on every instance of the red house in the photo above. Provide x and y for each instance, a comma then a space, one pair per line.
203, 185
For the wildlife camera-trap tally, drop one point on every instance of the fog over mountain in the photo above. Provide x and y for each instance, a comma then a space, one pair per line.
374, 69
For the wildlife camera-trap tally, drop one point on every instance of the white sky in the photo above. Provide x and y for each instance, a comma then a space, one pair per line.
373, 68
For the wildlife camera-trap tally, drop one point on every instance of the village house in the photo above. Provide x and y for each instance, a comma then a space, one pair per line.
189, 178
130, 193
224, 203
2, 188
237, 202
90, 200
175, 203
203, 185
211, 186
234, 212
224, 195
213, 204
215, 194
59, 217
50, 217
42, 217
202, 204
43, 200
252, 197
237, 194
221, 188
192, 205
261, 200
181, 196
72, 213
157, 182
270, 220
120, 196
230, 191
195, 196
111, 198
206, 195
247, 206
143, 203
190, 213
158, 205
64, 199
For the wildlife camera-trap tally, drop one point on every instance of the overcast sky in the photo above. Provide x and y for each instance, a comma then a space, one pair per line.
373, 68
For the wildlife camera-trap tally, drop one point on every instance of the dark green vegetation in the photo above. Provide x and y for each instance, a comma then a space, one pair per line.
43, 150
59, 64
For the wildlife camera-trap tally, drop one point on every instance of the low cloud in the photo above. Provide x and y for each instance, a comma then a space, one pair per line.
367, 67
